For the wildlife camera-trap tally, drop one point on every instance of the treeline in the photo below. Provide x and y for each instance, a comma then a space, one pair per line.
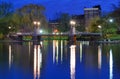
20, 19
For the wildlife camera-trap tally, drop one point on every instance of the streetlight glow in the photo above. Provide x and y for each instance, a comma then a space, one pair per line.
110, 20
35, 22
41, 31
38, 23
99, 26
72, 22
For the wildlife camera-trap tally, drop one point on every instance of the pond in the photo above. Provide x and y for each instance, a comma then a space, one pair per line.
56, 59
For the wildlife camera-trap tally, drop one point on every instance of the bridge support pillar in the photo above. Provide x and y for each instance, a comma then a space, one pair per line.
36, 40
20, 38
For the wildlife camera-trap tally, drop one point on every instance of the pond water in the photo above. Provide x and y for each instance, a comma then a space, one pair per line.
56, 59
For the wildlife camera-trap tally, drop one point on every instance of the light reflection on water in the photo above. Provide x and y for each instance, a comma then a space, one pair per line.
10, 56
58, 60
37, 61
111, 65
72, 61
99, 56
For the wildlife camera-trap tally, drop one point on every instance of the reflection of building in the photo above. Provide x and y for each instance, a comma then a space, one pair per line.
91, 13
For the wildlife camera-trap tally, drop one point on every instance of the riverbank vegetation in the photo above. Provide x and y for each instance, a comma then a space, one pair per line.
21, 20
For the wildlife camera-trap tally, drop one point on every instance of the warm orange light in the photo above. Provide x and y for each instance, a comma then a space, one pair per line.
55, 30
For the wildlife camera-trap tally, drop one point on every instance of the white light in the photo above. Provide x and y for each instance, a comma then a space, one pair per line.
110, 20
99, 26
9, 27
35, 22
38, 23
41, 31
72, 22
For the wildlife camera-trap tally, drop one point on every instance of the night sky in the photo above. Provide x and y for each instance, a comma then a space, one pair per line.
67, 6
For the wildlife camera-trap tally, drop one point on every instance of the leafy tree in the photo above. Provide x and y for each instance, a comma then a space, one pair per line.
116, 13
5, 15
5, 9
29, 13
107, 28
64, 25
93, 26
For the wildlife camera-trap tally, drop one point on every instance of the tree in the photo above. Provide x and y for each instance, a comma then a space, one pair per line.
107, 28
6, 11
116, 13
29, 13
93, 25
64, 21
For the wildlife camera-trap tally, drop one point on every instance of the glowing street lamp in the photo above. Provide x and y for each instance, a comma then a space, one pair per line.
41, 31
37, 24
100, 27
110, 20
72, 23
9, 27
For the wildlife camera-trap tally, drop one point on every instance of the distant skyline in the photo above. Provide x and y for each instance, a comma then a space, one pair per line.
67, 6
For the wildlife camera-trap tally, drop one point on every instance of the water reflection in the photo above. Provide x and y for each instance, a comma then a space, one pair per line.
80, 52
55, 51
111, 65
37, 61
10, 56
72, 61
61, 50
99, 56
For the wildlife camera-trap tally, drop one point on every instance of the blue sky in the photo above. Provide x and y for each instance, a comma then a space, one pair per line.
67, 6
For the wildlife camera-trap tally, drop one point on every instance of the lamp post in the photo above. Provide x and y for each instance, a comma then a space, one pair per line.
72, 32
72, 23
100, 27
36, 29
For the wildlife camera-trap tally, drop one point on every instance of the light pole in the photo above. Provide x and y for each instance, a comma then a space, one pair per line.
72, 32
36, 29
72, 23
100, 27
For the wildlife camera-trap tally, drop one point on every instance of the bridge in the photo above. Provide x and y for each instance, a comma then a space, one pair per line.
79, 35
60, 34
71, 35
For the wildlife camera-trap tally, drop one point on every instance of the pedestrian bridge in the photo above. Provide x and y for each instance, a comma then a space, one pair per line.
78, 35
60, 34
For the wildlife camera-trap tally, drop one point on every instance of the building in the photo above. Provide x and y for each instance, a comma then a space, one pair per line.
53, 25
91, 13
80, 22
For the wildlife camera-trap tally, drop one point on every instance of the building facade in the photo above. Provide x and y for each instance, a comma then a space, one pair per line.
91, 13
